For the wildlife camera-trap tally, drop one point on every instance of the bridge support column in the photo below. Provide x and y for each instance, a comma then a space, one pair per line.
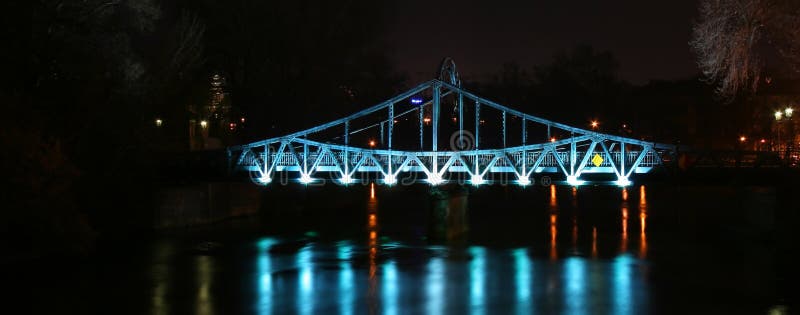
448, 217
435, 118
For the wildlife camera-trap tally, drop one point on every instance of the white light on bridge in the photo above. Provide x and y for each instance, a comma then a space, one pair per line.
573, 180
477, 180
389, 179
434, 179
204, 124
346, 179
265, 179
623, 181
523, 181
305, 179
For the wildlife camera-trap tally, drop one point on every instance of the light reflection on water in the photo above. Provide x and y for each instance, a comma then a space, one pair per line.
519, 268
477, 277
371, 278
204, 268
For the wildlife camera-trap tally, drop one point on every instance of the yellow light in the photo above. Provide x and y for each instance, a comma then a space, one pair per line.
594, 123
204, 124
242, 120
426, 120
553, 139
742, 138
788, 111
372, 143
159, 122
778, 115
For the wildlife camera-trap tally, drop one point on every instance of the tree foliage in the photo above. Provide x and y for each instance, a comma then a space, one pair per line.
735, 40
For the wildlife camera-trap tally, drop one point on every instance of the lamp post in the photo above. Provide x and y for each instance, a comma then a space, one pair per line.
781, 115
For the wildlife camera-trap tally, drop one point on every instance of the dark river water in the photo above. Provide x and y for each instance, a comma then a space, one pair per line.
491, 250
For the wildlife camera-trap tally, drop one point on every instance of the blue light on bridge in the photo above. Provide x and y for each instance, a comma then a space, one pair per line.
416, 100
523, 181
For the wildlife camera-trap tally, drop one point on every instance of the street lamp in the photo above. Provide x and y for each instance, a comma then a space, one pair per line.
781, 115
204, 124
595, 124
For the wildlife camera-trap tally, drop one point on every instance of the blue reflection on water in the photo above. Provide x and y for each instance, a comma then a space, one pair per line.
622, 284
522, 265
264, 276
575, 290
477, 279
390, 288
434, 286
306, 301
345, 278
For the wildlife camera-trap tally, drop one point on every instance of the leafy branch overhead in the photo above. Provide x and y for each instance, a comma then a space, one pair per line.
737, 41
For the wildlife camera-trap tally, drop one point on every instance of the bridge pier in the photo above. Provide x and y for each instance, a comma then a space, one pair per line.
448, 214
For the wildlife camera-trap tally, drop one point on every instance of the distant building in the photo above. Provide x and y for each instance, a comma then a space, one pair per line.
213, 124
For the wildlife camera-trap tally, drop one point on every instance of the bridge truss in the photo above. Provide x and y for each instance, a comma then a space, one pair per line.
298, 156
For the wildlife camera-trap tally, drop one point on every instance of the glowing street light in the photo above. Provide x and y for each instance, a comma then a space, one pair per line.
159, 122
372, 143
553, 139
778, 115
742, 139
595, 124
788, 111
204, 124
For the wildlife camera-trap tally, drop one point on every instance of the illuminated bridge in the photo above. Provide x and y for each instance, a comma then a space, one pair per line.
439, 133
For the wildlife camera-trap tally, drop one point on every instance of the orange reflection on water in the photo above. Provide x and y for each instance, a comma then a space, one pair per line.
642, 222
372, 232
642, 195
553, 196
624, 194
373, 221
553, 232
594, 242
624, 242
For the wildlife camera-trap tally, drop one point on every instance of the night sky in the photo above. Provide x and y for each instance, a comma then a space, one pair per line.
649, 38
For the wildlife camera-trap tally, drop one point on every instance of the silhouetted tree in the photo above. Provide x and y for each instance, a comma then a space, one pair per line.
734, 39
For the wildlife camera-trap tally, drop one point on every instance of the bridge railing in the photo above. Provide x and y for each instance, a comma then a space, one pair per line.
288, 159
